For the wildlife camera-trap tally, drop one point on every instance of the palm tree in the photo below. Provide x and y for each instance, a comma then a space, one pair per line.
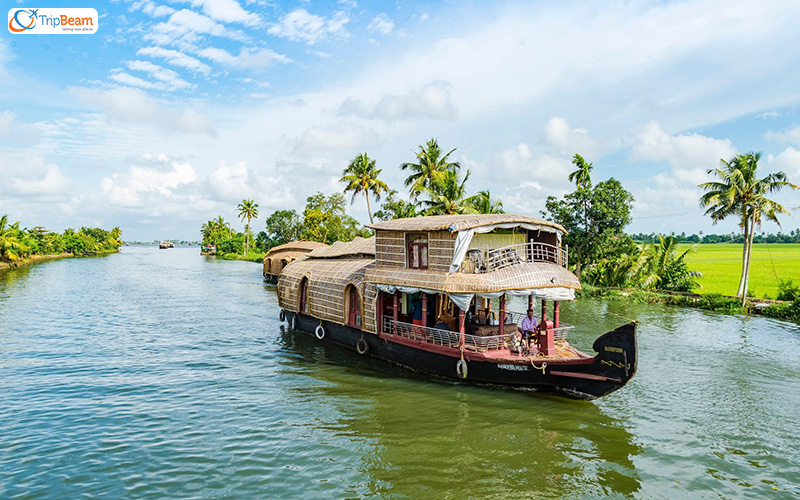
447, 196
361, 176
662, 268
483, 203
739, 192
430, 170
582, 176
248, 209
11, 245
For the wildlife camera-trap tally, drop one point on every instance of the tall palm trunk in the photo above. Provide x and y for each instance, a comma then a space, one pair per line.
740, 292
749, 243
369, 210
246, 234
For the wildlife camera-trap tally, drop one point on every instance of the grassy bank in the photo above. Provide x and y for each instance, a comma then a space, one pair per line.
721, 265
251, 257
710, 301
35, 259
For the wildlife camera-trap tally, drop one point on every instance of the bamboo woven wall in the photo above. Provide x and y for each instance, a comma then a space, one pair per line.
327, 280
370, 307
390, 249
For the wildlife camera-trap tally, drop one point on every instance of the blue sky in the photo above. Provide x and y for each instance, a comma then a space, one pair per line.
174, 111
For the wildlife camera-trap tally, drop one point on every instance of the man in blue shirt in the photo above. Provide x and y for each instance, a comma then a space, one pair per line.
529, 327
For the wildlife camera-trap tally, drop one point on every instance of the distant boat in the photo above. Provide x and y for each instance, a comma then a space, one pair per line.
165, 244
208, 250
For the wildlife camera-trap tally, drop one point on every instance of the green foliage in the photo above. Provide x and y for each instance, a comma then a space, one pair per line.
248, 209
788, 291
787, 310
430, 170
283, 226
361, 176
447, 196
483, 203
395, 208
16, 243
593, 216
325, 220
721, 303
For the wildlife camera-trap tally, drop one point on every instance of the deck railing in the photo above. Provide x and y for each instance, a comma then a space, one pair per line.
559, 333
445, 338
498, 258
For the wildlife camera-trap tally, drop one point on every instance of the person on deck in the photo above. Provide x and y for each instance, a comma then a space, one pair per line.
529, 327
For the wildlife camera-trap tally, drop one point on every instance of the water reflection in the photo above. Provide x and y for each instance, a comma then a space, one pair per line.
436, 439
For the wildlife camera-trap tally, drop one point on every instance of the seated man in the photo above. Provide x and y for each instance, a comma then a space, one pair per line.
529, 328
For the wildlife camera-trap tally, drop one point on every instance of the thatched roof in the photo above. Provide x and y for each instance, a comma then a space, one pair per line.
298, 245
523, 276
358, 247
458, 222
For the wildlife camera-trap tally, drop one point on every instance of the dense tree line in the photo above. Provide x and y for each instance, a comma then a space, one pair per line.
19, 243
791, 237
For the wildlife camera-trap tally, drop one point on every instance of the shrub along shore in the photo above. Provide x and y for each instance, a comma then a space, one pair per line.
35, 259
710, 301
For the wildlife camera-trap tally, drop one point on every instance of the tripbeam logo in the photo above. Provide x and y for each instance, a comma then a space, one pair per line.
52, 21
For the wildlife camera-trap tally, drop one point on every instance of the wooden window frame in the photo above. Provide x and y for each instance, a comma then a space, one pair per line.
409, 243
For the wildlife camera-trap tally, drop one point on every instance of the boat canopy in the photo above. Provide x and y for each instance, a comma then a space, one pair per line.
464, 238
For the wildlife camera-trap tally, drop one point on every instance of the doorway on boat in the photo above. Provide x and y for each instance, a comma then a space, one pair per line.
304, 296
353, 306
416, 308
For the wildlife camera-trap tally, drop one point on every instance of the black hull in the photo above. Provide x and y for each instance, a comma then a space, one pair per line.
611, 368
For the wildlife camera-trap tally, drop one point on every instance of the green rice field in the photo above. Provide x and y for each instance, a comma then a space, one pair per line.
721, 265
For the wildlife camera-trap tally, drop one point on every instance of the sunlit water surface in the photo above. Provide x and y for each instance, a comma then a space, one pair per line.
161, 374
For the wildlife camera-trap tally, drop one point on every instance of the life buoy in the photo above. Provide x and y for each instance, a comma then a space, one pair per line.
361, 346
320, 332
294, 322
282, 315
461, 369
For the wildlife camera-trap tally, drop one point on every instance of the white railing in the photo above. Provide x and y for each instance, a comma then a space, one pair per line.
498, 258
445, 338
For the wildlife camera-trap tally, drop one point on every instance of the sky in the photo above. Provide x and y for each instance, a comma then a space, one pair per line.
174, 111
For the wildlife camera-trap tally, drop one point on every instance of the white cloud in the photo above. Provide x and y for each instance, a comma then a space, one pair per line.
690, 155
12, 130
342, 136
169, 77
151, 9
769, 114
150, 178
247, 59
232, 183
186, 26
133, 105
559, 133
791, 136
120, 76
227, 11
176, 58
300, 25
431, 101
38, 178
381, 24
787, 161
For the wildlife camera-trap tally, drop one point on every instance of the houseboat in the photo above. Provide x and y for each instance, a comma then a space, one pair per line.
420, 294
165, 244
280, 256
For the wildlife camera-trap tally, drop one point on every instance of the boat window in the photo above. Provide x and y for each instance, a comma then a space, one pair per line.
417, 251
304, 296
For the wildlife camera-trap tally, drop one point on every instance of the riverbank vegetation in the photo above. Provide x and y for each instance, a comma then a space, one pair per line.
19, 246
595, 215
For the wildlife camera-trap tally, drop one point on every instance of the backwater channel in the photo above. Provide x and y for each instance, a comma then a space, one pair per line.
155, 374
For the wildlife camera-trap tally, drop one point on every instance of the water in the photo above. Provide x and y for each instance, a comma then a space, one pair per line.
155, 374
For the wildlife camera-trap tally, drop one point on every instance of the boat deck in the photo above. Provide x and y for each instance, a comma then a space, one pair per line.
495, 349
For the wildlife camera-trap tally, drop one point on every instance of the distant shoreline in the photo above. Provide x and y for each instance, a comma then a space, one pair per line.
35, 259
